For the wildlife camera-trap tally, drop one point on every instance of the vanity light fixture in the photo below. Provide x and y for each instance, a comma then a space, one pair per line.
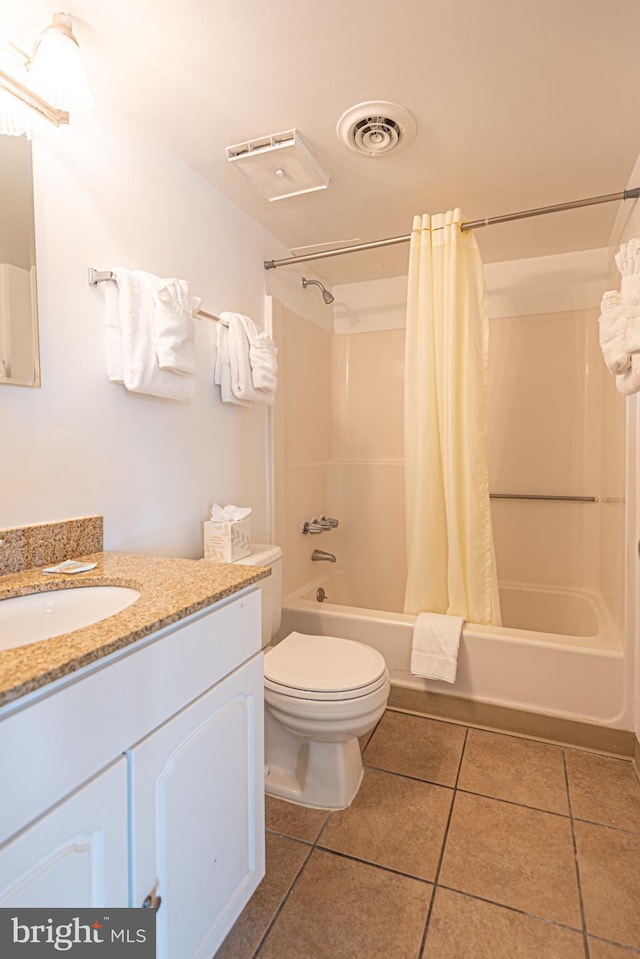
51, 81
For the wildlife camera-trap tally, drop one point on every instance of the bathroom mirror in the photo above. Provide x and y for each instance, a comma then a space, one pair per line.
19, 354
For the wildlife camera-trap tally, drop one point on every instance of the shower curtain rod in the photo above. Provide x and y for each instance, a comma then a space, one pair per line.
470, 225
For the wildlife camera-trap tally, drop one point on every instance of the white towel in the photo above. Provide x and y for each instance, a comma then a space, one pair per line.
434, 648
222, 368
628, 261
612, 327
113, 333
262, 356
136, 310
242, 385
173, 327
629, 381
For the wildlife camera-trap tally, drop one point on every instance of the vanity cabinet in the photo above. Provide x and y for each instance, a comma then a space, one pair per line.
144, 776
193, 787
74, 856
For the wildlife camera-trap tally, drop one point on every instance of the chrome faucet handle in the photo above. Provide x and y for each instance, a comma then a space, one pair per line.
327, 522
312, 527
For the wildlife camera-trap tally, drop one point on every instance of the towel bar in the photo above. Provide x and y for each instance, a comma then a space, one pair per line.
99, 276
564, 499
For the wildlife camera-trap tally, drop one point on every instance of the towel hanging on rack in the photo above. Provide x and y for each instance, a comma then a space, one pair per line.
150, 335
100, 276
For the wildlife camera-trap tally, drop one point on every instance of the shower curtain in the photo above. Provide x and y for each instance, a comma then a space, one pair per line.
450, 556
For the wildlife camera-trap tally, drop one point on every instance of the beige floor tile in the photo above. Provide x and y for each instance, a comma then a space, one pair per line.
299, 822
512, 855
341, 909
414, 746
604, 790
519, 770
609, 870
284, 858
463, 927
605, 950
394, 822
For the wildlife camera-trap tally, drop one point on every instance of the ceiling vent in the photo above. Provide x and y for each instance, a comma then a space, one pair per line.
376, 128
279, 166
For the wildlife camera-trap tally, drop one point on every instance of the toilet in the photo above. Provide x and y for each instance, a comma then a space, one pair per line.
321, 693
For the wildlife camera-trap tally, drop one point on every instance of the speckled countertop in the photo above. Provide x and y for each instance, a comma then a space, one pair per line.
170, 590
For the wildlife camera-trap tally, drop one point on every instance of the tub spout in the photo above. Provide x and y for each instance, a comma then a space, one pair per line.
319, 554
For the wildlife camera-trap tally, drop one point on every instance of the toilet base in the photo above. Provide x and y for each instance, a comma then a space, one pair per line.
325, 775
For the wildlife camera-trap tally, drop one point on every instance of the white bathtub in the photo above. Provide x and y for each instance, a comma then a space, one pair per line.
560, 655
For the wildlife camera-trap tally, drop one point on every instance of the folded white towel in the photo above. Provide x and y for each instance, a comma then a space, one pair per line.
629, 381
242, 385
173, 327
262, 356
222, 368
628, 261
434, 648
612, 327
140, 371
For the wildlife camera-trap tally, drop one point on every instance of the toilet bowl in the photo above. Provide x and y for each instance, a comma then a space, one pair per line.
321, 694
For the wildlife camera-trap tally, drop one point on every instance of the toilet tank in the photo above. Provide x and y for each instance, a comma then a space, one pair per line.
270, 588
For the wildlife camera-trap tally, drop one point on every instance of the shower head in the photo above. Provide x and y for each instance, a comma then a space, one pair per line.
326, 296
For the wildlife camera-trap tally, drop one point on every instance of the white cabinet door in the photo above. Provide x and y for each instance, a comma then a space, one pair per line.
75, 856
197, 793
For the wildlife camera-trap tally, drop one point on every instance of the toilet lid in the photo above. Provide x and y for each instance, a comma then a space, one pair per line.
323, 663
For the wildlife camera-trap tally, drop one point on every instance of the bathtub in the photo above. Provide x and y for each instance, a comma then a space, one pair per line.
558, 655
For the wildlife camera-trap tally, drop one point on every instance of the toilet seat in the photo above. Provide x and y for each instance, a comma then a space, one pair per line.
323, 668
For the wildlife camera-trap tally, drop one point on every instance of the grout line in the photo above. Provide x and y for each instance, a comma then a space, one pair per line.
444, 843
286, 835
472, 792
375, 865
512, 802
604, 825
415, 779
281, 905
585, 937
504, 905
621, 945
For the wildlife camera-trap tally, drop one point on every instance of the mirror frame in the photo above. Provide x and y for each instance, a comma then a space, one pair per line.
35, 381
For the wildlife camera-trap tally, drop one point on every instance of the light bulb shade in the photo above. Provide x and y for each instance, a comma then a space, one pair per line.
56, 72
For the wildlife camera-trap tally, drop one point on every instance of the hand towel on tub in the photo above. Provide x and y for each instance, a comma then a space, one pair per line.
434, 648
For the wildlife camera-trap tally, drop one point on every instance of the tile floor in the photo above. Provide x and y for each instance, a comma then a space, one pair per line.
461, 844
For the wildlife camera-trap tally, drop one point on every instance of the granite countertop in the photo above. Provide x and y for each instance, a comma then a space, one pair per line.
170, 590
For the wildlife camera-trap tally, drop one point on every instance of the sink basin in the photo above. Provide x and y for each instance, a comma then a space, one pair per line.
28, 619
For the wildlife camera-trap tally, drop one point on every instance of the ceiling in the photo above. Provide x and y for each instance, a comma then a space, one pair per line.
518, 103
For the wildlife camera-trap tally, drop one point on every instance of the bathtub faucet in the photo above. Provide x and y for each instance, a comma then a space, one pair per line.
319, 554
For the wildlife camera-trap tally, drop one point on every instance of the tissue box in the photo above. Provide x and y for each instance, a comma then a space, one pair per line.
226, 542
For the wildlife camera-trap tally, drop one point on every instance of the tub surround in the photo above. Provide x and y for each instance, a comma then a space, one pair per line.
170, 588
43, 544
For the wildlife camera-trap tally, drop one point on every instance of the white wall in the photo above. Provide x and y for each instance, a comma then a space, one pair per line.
107, 195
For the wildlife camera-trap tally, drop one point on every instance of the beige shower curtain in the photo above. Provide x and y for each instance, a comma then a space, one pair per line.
450, 557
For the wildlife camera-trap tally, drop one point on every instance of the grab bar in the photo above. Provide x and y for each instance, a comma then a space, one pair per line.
564, 499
